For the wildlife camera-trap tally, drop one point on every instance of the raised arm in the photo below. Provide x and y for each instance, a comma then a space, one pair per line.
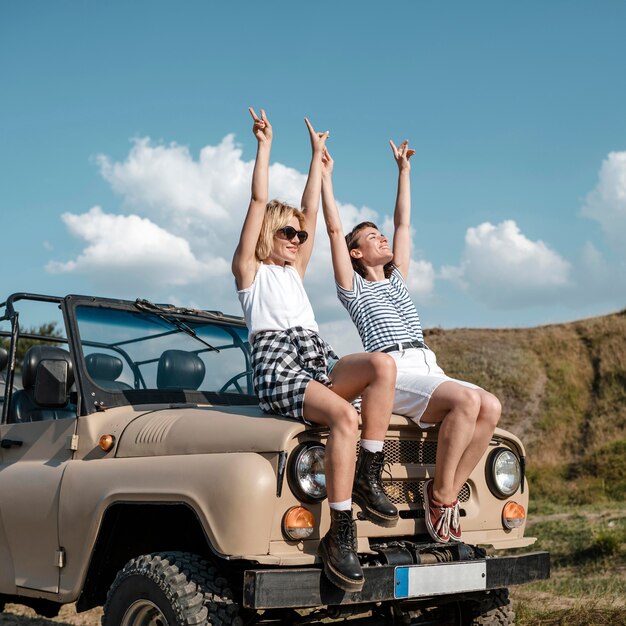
245, 263
342, 264
402, 212
311, 196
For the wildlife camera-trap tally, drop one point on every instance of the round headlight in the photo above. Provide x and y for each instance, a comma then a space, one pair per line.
306, 475
504, 473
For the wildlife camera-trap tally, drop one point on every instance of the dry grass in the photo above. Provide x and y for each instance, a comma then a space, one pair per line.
581, 613
588, 552
563, 391
18, 615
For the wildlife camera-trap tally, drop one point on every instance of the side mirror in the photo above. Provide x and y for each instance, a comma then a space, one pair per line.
51, 387
4, 359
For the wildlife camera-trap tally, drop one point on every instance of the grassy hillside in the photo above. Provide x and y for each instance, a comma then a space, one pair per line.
563, 390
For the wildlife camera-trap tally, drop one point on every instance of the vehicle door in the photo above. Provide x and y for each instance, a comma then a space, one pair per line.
33, 457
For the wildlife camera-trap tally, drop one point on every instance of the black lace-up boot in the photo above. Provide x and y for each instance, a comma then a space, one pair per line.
338, 552
368, 490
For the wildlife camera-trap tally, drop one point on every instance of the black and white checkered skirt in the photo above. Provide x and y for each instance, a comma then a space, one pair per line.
284, 362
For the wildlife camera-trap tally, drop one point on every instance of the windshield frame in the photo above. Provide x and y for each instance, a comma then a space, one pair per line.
93, 397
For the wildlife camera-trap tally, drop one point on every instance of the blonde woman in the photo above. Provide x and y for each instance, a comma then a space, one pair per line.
296, 373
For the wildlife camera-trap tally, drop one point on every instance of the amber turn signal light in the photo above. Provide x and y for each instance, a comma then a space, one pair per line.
298, 523
106, 442
513, 515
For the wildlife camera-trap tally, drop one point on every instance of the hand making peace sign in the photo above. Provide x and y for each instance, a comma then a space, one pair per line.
262, 128
402, 154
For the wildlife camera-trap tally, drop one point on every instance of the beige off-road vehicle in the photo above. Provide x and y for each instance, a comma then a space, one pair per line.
137, 472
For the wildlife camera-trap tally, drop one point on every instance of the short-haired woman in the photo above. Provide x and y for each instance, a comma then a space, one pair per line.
370, 278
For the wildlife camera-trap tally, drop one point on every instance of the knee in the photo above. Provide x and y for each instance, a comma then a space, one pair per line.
490, 409
467, 405
345, 421
383, 366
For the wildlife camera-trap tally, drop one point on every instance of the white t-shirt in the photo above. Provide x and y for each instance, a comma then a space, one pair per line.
276, 300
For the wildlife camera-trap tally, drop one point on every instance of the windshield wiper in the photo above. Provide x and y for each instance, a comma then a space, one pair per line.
168, 314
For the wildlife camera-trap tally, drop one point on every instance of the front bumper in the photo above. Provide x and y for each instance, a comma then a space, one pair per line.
308, 587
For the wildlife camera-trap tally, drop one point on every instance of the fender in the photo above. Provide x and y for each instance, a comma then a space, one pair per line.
233, 496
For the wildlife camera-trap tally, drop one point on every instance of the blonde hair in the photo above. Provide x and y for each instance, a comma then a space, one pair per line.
277, 215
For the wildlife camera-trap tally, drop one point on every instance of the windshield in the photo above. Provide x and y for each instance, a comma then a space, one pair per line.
138, 350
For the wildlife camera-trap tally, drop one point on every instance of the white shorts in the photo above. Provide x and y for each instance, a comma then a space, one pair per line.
418, 377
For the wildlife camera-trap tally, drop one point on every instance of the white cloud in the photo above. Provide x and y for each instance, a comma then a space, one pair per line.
183, 221
504, 268
606, 204
351, 215
166, 181
128, 251
203, 200
598, 279
159, 178
421, 279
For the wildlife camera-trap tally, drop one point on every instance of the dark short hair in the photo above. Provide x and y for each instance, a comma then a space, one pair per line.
352, 243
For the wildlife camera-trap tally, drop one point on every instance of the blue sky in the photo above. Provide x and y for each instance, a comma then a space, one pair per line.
126, 151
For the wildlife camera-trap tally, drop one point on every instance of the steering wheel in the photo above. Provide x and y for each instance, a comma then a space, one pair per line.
234, 382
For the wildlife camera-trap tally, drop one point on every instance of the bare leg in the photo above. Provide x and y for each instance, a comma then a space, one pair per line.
324, 406
456, 408
488, 416
336, 548
371, 376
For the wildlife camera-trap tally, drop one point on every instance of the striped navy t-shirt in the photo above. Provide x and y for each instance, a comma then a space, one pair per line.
382, 311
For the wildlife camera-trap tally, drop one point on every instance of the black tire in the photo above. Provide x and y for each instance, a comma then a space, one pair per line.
219, 599
493, 609
169, 589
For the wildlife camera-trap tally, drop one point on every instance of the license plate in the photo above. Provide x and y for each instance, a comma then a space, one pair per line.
433, 580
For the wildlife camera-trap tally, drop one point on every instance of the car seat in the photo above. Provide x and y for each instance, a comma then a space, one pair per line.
179, 369
24, 407
105, 369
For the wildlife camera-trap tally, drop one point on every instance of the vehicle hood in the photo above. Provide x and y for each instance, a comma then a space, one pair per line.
203, 430
215, 429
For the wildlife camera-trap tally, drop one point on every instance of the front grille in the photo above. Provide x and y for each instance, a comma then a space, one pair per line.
410, 492
410, 451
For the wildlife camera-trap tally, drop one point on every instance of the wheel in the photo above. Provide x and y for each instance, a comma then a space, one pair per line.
155, 590
234, 381
219, 600
492, 609
169, 589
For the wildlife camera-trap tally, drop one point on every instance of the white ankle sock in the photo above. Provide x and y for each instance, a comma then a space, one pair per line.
344, 505
371, 445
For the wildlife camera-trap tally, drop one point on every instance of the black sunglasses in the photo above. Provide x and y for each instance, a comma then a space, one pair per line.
289, 232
